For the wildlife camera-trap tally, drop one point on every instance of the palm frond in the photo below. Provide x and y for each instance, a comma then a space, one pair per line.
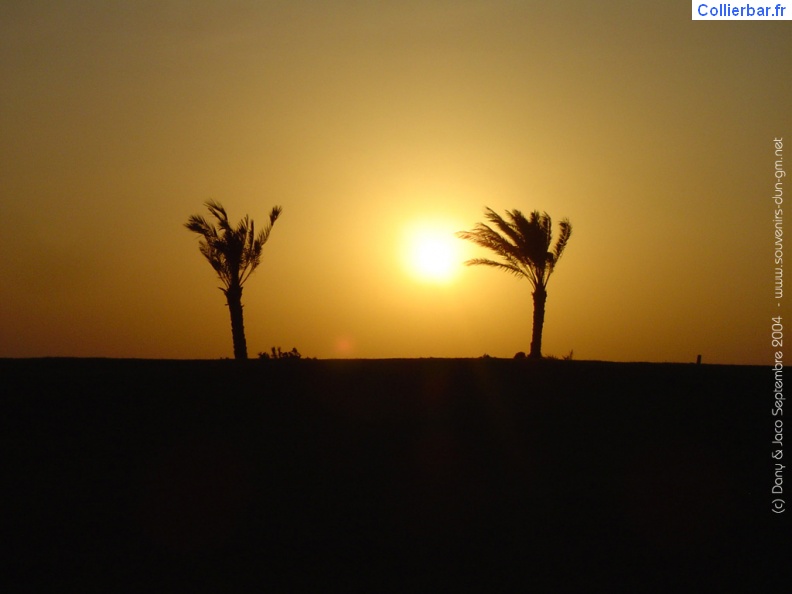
564, 232
536, 232
198, 224
515, 270
264, 233
486, 237
509, 229
218, 212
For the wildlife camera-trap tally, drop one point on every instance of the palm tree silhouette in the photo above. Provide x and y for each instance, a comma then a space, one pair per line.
523, 245
234, 254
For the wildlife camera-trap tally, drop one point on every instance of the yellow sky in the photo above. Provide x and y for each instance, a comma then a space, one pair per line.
652, 133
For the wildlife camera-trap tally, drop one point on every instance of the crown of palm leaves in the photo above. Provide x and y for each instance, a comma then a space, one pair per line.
234, 253
523, 244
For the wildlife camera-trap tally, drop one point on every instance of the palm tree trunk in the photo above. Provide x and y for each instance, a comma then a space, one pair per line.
539, 299
234, 299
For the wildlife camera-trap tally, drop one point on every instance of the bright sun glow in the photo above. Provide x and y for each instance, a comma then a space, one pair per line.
432, 252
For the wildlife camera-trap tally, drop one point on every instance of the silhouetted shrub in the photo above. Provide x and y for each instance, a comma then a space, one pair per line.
279, 355
567, 357
519, 355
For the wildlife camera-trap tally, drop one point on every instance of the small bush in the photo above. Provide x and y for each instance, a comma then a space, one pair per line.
567, 357
277, 354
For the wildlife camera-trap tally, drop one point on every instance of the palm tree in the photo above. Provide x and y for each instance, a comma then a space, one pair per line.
523, 245
234, 254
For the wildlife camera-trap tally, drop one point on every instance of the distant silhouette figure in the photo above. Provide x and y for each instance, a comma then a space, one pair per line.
523, 245
234, 254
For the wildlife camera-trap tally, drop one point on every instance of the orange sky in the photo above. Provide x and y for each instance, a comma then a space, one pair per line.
652, 133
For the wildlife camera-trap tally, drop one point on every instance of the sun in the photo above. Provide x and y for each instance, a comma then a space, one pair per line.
431, 252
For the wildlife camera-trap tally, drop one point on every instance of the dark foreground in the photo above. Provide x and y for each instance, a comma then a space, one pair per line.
414, 475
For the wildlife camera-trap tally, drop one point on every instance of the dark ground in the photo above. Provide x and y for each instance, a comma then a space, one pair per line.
404, 475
